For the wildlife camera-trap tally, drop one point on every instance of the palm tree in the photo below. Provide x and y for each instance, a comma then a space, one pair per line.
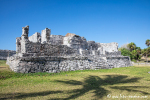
139, 53
148, 44
131, 46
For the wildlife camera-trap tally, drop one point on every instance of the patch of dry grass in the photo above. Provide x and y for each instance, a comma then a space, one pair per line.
3, 65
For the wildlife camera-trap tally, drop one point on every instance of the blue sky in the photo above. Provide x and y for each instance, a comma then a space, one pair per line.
103, 21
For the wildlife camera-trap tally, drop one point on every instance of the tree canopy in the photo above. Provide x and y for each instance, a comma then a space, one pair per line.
147, 42
131, 46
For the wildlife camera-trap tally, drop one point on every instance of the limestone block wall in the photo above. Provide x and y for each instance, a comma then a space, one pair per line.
84, 44
66, 41
13, 62
5, 53
57, 64
116, 62
56, 39
35, 37
48, 49
100, 49
47, 64
45, 36
75, 42
54, 64
92, 45
90, 52
32, 47
116, 53
18, 44
109, 47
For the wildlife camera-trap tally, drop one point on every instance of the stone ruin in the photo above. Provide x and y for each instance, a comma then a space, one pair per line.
6, 53
55, 53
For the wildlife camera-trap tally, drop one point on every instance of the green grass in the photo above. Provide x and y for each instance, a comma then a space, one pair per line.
3, 63
80, 85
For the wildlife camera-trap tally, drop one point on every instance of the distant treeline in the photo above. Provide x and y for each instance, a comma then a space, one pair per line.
134, 52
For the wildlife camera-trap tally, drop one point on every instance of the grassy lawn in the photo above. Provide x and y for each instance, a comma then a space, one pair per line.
106, 84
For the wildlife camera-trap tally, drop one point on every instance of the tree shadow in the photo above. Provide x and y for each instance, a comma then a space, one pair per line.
95, 83
131, 89
91, 83
2, 67
26, 95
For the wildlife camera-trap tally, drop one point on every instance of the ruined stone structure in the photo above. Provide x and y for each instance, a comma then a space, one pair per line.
55, 53
6, 53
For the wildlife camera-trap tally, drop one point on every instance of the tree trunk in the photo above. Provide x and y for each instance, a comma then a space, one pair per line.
146, 58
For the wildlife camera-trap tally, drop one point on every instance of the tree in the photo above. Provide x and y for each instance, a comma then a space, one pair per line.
131, 46
146, 52
138, 49
132, 51
136, 55
125, 52
148, 44
143, 52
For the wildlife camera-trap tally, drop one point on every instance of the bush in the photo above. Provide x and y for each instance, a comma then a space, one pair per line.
125, 52
133, 60
136, 55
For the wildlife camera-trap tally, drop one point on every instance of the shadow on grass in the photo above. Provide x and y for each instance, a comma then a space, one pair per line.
131, 88
3, 67
26, 95
94, 83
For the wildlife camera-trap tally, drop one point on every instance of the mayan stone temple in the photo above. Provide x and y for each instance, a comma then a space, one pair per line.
55, 53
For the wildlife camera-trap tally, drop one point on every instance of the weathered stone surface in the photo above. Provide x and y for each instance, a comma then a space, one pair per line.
109, 47
6, 53
75, 42
35, 37
55, 53
117, 62
25, 32
45, 36
56, 39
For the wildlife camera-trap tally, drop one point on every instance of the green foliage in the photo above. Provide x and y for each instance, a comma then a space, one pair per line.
131, 46
145, 51
147, 42
133, 52
136, 55
134, 60
138, 50
3, 63
119, 49
125, 52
